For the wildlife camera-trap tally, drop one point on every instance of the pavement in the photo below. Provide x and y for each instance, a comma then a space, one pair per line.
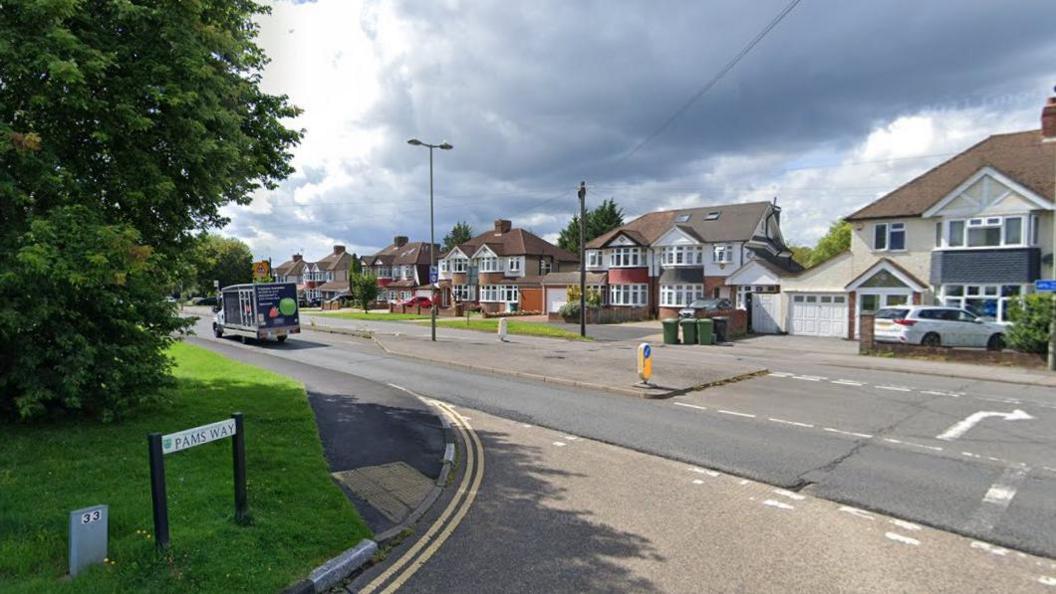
559, 512
861, 437
384, 447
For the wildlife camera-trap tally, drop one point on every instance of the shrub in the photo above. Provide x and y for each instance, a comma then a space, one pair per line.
1030, 316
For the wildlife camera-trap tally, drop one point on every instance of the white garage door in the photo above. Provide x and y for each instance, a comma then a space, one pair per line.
555, 298
819, 314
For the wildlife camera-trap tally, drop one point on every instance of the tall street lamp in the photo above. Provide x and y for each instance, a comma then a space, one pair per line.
432, 228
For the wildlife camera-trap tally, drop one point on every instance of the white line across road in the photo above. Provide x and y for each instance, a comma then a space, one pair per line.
997, 499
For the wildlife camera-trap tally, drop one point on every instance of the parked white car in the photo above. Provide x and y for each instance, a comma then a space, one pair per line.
937, 326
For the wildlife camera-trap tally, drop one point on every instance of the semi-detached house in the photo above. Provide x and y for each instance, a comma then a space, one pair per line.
501, 269
973, 232
663, 261
401, 269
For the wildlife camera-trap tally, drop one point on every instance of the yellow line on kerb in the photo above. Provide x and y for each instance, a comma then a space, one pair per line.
459, 506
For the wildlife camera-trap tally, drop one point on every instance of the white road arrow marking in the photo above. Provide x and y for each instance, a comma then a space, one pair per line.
961, 427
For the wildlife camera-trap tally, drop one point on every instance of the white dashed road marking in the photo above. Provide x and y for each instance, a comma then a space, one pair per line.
560, 444
894, 388
687, 405
710, 473
777, 504
989, 548
904, 524
796, 423
735, 413
852, 433
844, 382
1047, 581
997, 499
854, 511
902, 539
790, 494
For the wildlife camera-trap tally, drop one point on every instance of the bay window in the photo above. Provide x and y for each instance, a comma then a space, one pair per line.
987, 232
499, 293
680, 295
625, 257
988, 301
682, 255
462, 292
629, 295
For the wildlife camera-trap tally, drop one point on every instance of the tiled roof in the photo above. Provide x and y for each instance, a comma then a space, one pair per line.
735, 222
291, 268
1021, 156
335, 261
412, 252
335, 286
516, 242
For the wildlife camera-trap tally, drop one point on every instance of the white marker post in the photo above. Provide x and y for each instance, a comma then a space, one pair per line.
961, 427
502, 329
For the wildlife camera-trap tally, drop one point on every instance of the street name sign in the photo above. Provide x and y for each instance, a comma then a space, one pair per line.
159, 445
188, 438
88, 536
1045, 284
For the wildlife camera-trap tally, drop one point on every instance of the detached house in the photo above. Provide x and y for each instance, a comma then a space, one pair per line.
402, 269
972, 232
501, 269
663, 261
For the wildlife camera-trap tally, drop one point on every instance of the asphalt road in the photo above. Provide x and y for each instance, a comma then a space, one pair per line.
872, 445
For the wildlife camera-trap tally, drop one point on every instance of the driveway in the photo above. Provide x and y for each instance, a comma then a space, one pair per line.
612, 332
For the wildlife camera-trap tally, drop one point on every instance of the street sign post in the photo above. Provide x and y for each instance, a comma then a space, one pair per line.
1047, 285
645, 362
89, 529
159, 445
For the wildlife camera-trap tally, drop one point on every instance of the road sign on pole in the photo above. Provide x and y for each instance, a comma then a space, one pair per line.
434, 276
1047, 285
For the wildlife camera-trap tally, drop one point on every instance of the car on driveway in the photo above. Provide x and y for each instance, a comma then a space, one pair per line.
419, 301
937, 326
705, 306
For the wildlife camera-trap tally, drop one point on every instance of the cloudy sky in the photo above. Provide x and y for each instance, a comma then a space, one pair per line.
840, 103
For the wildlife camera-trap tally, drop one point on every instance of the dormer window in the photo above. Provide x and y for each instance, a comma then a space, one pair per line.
713, 216
682, 218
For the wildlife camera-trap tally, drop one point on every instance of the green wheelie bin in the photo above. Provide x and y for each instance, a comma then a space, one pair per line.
704, 331
689, 331
670, 331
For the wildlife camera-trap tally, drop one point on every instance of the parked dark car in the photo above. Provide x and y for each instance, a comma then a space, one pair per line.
704, 306
207, 301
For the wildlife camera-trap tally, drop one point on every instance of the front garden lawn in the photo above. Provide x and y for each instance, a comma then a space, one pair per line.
299, 517
513, 326
373, 316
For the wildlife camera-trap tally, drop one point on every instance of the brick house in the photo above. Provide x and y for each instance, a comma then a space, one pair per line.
331, 273
402, 269
663, 261
972, 232
501, 269
297, 270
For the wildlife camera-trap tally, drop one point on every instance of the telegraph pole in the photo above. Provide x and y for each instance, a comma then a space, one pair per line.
583, 258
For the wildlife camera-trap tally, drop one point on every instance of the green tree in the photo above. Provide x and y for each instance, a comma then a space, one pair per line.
1030, 316
124, 128
355, 267
364, 289
460, 233
801, 254
224, 259
600, 220
835, 241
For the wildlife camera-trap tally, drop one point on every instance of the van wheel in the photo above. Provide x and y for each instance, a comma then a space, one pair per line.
280, 338
996, 342
931, 339
218, 331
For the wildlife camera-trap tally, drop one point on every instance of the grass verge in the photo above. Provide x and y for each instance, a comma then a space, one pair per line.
372, 316
299, 517
512, 327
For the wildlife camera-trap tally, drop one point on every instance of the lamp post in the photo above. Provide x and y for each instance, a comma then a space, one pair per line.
1048, 134
582, 258
432, 228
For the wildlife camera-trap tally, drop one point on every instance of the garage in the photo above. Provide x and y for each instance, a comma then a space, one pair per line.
818, 314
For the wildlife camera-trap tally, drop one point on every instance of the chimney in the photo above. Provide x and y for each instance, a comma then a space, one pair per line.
1048, 120
400, 240
502, 226
339, 249
297, 257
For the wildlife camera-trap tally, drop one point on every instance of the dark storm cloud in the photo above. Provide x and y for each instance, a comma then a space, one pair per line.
536, 96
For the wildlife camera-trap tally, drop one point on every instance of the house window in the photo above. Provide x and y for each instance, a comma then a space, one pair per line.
682, 255
625, 257
712, 216
1034, 230
490, 264
938, 234
458, 264
545, 266
889, 236
629, 295
462, 292
986, 232
988, 301
722, 253
384, 272
499, 293
593, 258
443, 265
514, 264
680, 295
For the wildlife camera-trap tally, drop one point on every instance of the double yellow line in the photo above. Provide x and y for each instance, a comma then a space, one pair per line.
406, 566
